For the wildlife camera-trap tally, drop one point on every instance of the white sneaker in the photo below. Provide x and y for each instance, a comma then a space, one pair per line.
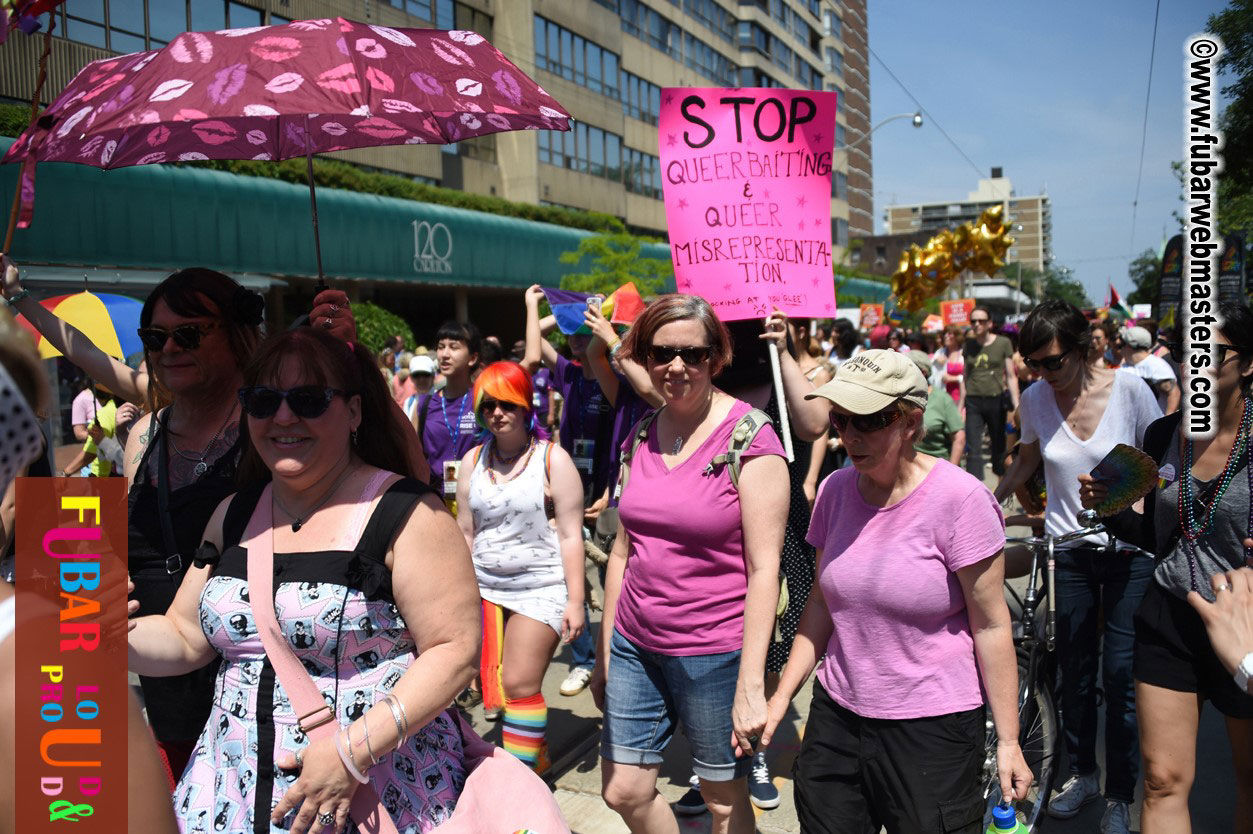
1077, 792
1117, 819
576, 681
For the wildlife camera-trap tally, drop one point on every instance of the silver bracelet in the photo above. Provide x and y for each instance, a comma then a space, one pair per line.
398, 713
365, 732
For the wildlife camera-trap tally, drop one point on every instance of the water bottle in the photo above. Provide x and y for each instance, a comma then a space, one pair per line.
1005, 821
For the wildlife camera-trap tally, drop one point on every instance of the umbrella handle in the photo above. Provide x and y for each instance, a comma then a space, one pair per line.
34, 112
313, 205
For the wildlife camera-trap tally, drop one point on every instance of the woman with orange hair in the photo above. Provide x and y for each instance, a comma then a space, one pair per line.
524, 528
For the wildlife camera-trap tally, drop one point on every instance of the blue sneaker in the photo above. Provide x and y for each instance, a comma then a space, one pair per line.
761, 790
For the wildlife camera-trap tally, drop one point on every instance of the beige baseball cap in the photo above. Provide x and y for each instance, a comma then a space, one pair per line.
874, 379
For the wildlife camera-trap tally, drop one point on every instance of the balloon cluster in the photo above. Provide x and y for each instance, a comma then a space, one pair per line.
925, 271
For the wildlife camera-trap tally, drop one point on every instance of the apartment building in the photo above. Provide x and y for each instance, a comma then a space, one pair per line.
605, 60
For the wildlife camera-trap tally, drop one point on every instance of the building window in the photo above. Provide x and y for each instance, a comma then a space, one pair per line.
585, 149
720, 21
835, 61
839, 185
573, 57
642, 174
642, 22
832, 26
641, 99
839, 231
841, 134
137, 25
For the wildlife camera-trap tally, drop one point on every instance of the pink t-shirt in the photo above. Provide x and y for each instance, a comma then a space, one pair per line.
901, 645
683, 593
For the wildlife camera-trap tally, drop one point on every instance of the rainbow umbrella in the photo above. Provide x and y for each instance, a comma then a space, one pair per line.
109, 320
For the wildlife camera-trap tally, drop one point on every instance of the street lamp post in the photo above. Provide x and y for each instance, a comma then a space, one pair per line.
915, 117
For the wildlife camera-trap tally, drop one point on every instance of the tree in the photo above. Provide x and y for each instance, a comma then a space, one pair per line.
1058, 283
1235, 26
376, 326
1144, 272
614, 260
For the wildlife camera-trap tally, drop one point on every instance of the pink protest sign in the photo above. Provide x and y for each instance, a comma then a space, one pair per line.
747, 185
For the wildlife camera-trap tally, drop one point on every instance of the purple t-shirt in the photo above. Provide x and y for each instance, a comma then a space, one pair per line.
626, 413
440, 420
683, 593
586, 426
901, 646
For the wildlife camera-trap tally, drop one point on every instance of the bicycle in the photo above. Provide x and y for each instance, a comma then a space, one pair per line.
1039, 723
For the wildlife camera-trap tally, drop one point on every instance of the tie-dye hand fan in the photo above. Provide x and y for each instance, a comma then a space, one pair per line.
1129, 474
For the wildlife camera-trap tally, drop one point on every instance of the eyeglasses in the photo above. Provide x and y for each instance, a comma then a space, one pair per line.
1048, 363
305, 401
979, 321
186, 336
866, 423
664, 354
1176, 351
488, 406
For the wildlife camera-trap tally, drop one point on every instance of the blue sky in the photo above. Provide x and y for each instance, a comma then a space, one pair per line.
1054, 93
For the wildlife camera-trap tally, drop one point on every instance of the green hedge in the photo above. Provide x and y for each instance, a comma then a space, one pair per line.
328, 173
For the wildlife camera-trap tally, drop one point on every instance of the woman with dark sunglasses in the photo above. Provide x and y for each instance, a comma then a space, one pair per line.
912, 620
524, 529
1071, 423
369, 571
686, 627
1197, 537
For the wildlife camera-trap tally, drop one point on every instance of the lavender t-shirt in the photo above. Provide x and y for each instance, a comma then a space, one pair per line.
442, 419
683, 593
901, 646
628, 411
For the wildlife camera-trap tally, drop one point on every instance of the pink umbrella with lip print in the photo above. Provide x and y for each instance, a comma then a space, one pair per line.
276, 92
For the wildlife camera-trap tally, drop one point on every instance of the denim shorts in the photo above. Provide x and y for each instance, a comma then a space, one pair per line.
647, 694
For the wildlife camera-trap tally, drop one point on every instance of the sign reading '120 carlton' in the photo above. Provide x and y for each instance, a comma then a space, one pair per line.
747, 186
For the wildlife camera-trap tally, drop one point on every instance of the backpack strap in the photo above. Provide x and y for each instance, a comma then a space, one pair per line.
742, 436
639, 436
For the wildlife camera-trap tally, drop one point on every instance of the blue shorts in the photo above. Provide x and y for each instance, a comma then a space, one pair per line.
647, 694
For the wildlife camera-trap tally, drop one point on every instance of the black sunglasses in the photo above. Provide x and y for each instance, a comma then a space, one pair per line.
305, 401
488, 406
866, 423
1176, 351
664, 354
980, 321
186, 336
1048, 363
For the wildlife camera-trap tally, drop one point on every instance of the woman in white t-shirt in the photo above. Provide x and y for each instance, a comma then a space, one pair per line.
1072, 423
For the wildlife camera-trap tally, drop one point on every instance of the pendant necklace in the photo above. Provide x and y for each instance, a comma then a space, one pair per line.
299, 521
202, 466
678, 444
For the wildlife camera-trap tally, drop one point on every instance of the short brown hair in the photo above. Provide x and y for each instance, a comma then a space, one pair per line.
679, 307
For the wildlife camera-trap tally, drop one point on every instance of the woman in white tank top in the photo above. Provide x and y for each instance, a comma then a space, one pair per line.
521, 503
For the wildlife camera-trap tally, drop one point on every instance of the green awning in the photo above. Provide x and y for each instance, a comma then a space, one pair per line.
166, 217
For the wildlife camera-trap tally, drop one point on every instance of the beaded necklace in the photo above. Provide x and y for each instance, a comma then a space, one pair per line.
1190, 529
491, 474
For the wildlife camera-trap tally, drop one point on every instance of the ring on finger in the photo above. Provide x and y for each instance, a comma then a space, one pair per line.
1222, 587
326, 818
300, 759
334, 308
328, 324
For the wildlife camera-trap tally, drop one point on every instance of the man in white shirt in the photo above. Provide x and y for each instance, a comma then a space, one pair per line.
1134, 345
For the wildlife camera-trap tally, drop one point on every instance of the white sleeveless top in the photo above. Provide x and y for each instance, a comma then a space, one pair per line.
515, 548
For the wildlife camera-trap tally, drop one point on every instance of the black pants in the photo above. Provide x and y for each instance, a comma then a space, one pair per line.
981, 412
855, 775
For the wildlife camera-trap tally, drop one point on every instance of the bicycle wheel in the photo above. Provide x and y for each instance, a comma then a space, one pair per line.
1039, 735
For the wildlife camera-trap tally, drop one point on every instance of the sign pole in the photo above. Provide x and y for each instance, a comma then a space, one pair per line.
784, 422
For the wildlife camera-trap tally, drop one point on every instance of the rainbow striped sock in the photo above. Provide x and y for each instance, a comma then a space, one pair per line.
525, 720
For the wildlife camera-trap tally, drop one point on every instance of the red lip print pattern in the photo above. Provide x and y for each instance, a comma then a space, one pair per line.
341, 79
380, 80
214, 132
227, 83
192, 47
276, 48
381, 128
241, 93
170, 90
452, 54
288, 82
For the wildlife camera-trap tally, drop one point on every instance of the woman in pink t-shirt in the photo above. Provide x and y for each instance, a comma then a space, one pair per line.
913, 623
692, 583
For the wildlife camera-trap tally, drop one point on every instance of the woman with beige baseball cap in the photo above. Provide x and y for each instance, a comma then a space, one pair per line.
912, 620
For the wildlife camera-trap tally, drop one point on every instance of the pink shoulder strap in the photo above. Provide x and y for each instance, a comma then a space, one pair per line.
314, 716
